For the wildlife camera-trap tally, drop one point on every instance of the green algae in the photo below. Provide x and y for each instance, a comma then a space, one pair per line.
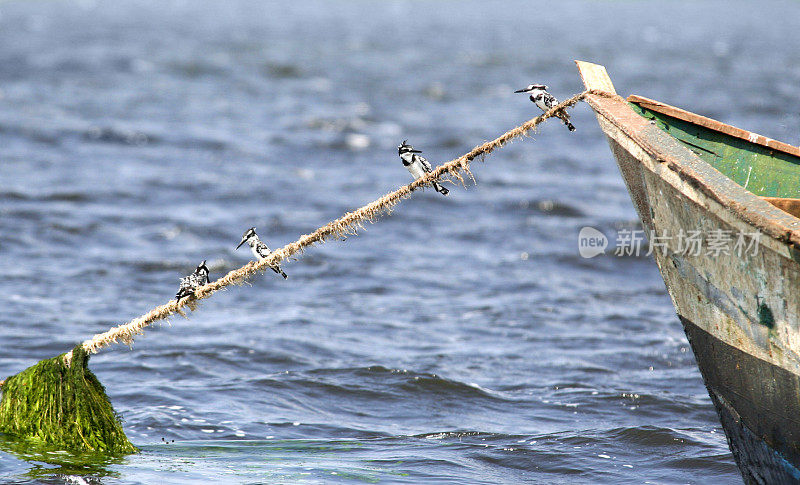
54, 406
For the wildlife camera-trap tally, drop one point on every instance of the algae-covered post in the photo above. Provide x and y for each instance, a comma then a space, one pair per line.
62, 406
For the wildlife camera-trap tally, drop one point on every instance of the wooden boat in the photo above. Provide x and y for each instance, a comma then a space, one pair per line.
740, 309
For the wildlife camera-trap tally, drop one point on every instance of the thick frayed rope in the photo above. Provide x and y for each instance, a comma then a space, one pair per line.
344, 226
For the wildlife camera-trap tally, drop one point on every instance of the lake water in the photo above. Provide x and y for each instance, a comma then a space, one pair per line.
461, 339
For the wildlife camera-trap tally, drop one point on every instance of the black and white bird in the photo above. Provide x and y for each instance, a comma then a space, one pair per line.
193, 281
417, 165
545, 101
259, 248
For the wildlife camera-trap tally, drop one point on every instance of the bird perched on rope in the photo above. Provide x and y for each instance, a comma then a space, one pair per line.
193, 281
545, 101
417, 165
259, 248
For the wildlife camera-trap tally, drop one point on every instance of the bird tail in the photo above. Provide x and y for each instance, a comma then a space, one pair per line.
440, 189
278, 270
565, 118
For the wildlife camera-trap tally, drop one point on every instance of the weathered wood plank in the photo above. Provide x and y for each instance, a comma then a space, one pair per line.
595, 77
792, 206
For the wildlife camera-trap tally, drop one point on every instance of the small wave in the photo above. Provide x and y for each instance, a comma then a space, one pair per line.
120, 136
123, 136
431, 383
443, 435
279, 70
67, 197
196, 69
36, 134
404, 383
158, 266
650, 436
549, 207
14, 196
74, 229
52, 197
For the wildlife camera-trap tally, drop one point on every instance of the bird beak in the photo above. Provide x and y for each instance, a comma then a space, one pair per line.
521, 90
240, 244
415, 151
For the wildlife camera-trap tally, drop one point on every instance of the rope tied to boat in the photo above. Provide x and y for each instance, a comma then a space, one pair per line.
347, 225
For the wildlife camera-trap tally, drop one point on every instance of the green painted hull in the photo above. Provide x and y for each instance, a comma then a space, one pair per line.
761, 170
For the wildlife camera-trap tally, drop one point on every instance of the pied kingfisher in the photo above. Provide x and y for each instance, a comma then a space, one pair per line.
193, 281
417, 165
545, 101
259, 249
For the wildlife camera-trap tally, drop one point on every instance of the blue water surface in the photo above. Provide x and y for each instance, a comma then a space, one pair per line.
461, 339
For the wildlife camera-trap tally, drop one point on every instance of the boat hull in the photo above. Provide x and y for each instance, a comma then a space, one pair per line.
734, 307
734, 379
